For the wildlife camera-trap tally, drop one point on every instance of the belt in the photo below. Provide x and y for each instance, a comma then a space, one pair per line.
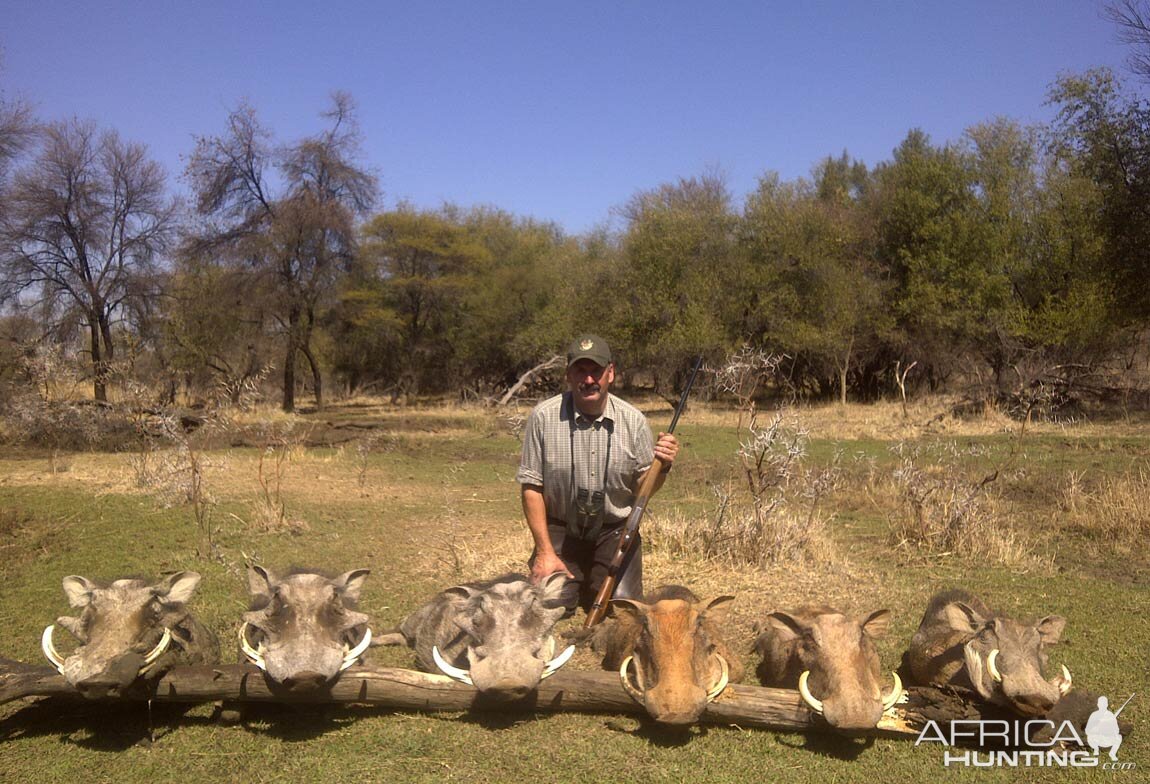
592, 533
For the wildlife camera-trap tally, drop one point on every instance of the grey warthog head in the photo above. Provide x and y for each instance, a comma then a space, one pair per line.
303, 629
128, 629
669, 653
495, 635
831, 658
961, 642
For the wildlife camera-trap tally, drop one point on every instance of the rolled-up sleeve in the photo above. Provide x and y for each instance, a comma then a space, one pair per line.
531, 460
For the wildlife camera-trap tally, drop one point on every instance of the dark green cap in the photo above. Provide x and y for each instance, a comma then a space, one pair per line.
590, 347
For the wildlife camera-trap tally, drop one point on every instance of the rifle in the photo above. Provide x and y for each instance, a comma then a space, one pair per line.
631, 529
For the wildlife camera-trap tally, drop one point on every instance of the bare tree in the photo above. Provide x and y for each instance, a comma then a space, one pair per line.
17, 129
289, 213
1133, 20
81, 220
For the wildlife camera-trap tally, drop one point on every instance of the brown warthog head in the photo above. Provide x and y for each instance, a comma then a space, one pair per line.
303, 629
494, 635
831, 658
127, 630
962, 642
673, 662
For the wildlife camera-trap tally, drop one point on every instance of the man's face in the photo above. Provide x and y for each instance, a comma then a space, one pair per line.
589, 383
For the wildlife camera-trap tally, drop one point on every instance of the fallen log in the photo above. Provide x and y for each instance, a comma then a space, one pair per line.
549, 364
567, 690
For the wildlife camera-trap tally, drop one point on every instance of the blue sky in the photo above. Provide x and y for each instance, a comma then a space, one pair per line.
560, 111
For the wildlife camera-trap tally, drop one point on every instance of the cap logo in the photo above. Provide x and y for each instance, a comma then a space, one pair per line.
586, 345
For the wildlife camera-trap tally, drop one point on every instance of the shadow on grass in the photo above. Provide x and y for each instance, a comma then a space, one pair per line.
299, 722
839, 747
97, 726
668, 736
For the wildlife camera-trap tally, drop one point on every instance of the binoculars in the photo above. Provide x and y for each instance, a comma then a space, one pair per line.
589, 509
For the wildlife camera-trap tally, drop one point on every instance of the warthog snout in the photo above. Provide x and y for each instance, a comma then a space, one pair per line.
118, 675
305, 681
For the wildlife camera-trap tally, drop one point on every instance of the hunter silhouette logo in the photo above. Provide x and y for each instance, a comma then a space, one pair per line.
1102, 728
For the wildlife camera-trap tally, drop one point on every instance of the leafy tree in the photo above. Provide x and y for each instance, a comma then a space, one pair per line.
1103, 135
927, 221
217, 326
423, 264
679, 249
82, 220
296, 230
811, 242
509, 297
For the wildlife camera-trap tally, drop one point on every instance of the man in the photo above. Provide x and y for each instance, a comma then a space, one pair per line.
585, 454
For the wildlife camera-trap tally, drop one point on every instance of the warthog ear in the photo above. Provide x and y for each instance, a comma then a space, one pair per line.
876, 624
260, 581
1050, 629
350, 583
461, 591
78, 590
716, 608
960, 616
785, 625
628, 608
178, 588
551, 589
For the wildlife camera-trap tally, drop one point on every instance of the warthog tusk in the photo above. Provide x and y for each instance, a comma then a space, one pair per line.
463, 676
891, 699
550, 667
254, 656
724, 679
49, 649
351, 656
156, 652
992, 667
633, 691
808, 698
1065, 683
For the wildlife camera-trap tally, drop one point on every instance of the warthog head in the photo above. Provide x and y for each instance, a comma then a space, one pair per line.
303, 629
832, 659
962, 642
669, 653
127, 630
494, 635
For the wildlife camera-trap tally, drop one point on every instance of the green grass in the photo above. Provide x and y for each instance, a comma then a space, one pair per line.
440, 499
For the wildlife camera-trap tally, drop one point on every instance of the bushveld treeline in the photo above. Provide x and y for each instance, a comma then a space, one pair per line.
1014, 262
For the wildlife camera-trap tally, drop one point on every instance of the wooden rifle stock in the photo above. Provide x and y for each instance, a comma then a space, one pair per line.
631, 529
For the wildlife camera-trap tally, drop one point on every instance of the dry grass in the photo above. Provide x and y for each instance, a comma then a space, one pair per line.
884, 420
732, 536
937, 508
1115, 509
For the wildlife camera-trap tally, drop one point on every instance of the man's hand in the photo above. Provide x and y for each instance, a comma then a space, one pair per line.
666, 449
543, 566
